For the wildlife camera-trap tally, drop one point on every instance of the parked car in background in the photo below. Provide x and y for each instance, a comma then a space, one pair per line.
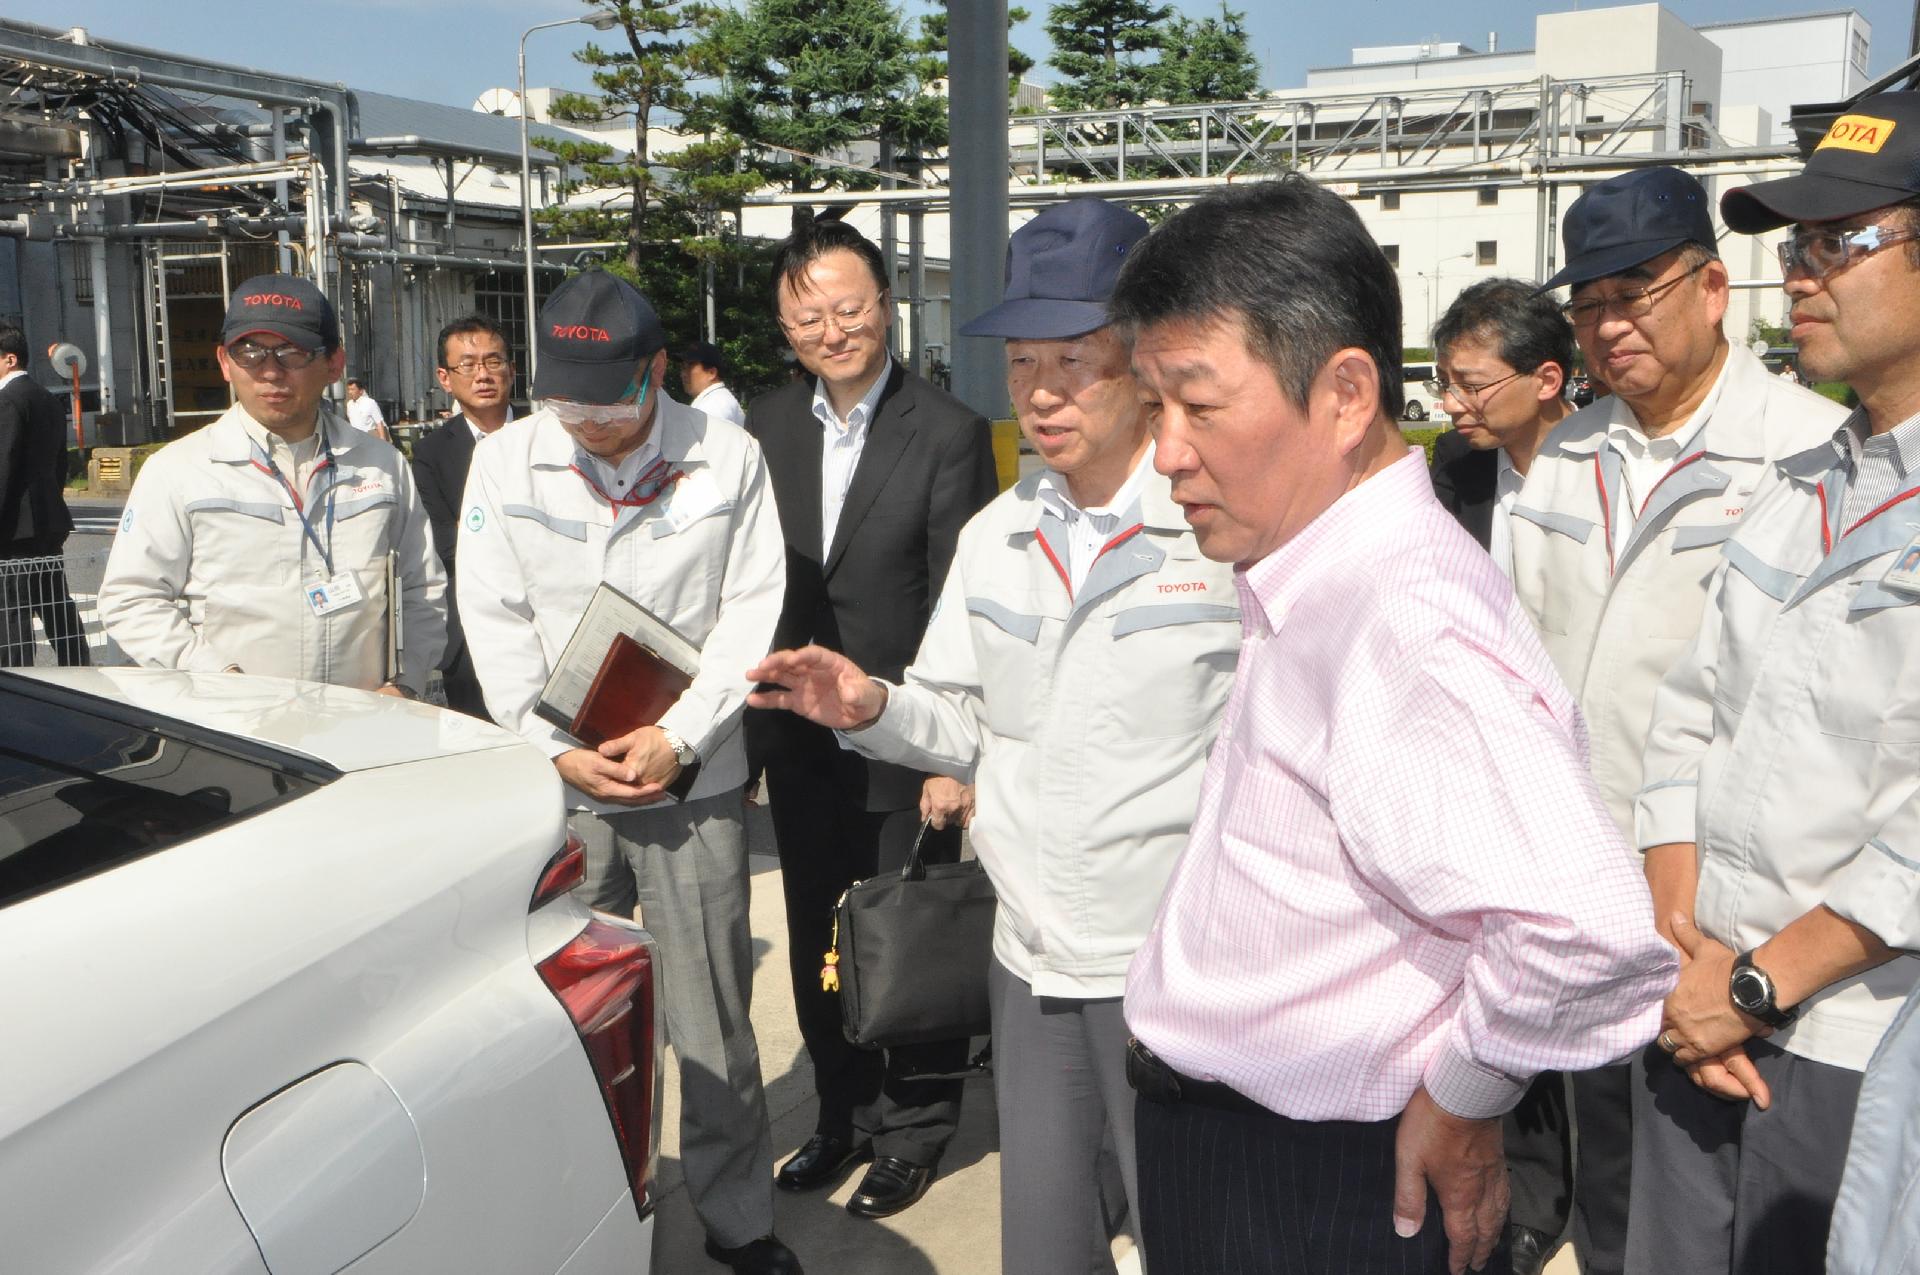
291, 980
1580, 390
1419, 404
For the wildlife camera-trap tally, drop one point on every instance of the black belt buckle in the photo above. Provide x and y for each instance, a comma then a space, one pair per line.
1151, 1078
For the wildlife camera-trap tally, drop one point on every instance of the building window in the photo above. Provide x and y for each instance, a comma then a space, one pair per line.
1389, 201
1486, 253
1489, 195
1393, 253
76, 260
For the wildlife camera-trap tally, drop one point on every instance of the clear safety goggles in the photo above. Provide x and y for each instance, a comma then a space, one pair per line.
628, 410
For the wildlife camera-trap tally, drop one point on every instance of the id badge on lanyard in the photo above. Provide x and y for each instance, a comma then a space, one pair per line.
340, 590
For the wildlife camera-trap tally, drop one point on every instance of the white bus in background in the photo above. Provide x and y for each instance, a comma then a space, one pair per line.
1420, 405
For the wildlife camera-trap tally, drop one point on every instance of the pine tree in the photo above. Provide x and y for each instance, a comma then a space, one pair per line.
932, 47
812, 77
1094, 48
1210, 60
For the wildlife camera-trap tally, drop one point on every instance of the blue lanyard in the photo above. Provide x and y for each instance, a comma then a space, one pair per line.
299, 506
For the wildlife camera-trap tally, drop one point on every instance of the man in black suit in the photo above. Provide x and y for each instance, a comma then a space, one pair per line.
476, 371
1504, 353
875, 471
34, 522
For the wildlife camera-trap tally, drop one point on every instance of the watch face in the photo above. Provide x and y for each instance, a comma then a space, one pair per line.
1748, 989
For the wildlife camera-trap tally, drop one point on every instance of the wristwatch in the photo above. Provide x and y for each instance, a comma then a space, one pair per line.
1752, 993
682, 750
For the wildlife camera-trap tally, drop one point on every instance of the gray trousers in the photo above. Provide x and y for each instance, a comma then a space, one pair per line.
1724, 1188
685, 865
1066, 1114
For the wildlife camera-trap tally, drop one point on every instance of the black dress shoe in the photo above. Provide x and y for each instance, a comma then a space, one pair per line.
1530, 1249
890, 1186
764, 1256
819, 1162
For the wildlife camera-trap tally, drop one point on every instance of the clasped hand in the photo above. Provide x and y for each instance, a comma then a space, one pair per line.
1699, 1019
633, 770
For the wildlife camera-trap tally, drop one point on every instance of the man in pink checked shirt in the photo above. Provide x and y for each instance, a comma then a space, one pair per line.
1360, 959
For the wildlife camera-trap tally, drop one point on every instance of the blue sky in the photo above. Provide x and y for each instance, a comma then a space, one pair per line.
450, 52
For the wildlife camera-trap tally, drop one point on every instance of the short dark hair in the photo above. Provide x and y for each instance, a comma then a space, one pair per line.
1291, 261
812, 240
472, 325
13, 341
705, 354
354, 380
1523, 324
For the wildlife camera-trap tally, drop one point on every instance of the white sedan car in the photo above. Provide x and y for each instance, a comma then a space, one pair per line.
291, 981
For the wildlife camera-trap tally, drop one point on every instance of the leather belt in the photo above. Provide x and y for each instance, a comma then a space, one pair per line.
1153, 1080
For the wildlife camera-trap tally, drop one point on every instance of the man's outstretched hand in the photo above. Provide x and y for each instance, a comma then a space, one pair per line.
822, 686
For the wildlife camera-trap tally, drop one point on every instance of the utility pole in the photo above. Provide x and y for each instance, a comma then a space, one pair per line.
977, 207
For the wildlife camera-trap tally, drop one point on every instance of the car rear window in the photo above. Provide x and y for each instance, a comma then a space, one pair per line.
87, 785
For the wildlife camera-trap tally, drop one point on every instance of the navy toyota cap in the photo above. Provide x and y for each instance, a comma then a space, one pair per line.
1061, 268
1626, 220
594, 330
1869, 158
285, 305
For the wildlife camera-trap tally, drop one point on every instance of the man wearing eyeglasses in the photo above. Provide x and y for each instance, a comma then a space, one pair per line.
476, 371
1504, 353
1780, 809
610, 480
876, 471
261, 543
1620, 523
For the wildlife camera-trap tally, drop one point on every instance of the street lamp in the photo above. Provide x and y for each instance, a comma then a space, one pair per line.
599, 20
1432, 280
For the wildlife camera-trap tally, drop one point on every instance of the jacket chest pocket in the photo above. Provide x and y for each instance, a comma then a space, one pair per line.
1013, 673
1752, 594
1866, 685
1545, 554
1178, 659
239, 540
1686, 562
362, 534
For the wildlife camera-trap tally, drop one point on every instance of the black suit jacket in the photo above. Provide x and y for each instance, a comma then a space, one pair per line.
33, 471
926, 468
1464, 479
440, 463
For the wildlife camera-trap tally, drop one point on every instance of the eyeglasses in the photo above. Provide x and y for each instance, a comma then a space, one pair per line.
469, 366
1587, 311
849, 320
252, 354
1821, 252
1466, 393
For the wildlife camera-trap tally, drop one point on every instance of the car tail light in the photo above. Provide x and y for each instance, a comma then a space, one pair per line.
566, 869
606, 980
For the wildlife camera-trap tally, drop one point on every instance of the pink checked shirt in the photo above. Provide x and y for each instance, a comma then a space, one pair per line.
1400, 872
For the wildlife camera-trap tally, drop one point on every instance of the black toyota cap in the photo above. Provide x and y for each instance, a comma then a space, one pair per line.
285, 305
1869, 158
1061, 268
1629, 219
594, 331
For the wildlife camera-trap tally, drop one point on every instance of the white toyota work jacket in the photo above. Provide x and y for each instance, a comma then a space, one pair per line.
705, 555
1616, 612
213, 565
1786, 744
1084, 720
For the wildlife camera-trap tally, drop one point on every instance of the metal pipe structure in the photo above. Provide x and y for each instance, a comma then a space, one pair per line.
977, 129
599, 21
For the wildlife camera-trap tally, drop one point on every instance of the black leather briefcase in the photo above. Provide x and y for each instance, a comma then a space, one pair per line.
910, 953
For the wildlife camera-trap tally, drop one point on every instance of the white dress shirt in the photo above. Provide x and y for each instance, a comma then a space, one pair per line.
1089, 529
840, 449
364, 414
718, 400
1506, 489
478, 433
1645, 461
8, 379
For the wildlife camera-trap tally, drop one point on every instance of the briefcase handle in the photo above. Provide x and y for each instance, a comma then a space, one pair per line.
913, 869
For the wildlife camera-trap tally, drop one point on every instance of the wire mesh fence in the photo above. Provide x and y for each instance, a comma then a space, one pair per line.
44, 620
